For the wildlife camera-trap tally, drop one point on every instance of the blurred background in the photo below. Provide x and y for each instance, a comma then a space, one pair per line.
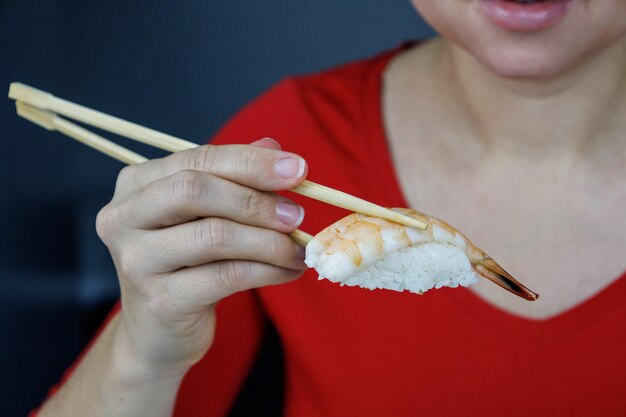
182, 67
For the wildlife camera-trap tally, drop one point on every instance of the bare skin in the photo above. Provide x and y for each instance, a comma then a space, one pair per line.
549, 184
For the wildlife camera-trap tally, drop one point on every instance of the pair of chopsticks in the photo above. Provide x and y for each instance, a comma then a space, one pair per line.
44, 109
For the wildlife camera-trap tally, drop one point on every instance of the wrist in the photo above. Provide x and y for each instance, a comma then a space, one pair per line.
131, 368
130, 386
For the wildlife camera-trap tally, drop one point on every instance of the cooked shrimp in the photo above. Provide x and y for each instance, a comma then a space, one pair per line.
374, 253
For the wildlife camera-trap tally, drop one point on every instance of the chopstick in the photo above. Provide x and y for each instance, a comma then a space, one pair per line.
52, 121
46, 101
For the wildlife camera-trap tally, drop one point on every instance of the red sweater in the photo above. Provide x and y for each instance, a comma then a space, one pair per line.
354, 352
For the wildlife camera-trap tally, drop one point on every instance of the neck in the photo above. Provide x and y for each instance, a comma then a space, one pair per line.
578, 114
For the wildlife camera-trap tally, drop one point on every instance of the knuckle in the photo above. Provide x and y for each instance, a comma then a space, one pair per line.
213, 233
129, 264
231, 275
188, 186
202, 157
249, 163
126, 177
106, 222
253, 204
157, 305
277, 243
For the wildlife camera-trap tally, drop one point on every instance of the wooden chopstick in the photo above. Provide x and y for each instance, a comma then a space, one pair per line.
52, 121
46, 101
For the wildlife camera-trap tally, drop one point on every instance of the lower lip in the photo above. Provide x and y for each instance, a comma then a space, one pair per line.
525, 17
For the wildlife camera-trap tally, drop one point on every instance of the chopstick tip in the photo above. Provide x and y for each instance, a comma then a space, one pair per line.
411, 222
32, 114
29, 95
13, 87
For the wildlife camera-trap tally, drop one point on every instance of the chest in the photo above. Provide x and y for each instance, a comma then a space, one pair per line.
350, 351
562, 236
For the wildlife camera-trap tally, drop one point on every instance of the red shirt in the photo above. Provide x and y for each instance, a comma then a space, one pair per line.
354, 352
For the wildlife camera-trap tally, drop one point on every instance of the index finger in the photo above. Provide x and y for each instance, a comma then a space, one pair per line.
256, 167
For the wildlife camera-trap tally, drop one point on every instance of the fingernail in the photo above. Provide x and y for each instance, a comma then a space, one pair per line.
289, 213
290, 168
301, 252
268, 143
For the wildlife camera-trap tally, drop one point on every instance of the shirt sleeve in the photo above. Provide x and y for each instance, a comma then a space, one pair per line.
211, 386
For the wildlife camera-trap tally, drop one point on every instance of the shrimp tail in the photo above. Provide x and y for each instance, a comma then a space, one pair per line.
488, 268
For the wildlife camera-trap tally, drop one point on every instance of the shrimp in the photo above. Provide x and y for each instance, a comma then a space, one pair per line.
375, 253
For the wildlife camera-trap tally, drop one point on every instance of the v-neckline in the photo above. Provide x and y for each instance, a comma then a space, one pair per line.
575, 318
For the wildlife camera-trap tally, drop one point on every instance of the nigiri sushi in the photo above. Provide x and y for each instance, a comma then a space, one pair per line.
374, 253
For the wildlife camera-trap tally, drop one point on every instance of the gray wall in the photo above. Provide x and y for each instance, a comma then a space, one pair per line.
181, 67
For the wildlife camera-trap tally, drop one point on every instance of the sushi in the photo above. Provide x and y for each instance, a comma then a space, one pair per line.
374, 253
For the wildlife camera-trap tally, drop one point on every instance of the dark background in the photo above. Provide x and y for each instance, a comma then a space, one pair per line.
180, 67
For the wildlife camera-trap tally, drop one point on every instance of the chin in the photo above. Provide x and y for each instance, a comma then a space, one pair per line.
512, 50
533, 62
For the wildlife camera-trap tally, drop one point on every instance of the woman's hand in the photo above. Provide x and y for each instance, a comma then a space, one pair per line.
190, 229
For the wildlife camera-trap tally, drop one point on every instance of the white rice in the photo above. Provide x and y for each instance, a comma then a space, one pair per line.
415, 268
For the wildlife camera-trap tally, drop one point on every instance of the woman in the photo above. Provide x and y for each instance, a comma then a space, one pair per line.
511, 126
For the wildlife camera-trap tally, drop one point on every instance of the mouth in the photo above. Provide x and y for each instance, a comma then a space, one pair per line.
527, 1
525, 15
